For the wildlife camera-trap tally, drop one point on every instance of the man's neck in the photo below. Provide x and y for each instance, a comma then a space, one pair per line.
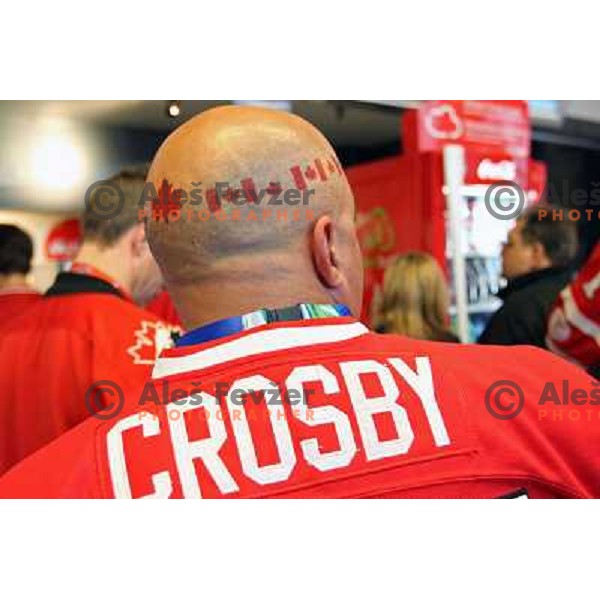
107, 260
14, 280
212, 302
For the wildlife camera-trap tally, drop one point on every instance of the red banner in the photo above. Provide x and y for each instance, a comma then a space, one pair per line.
484, 126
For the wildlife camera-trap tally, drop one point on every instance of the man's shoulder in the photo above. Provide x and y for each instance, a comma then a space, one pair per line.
543, 290
81, 320
456, 356
75, 313
118, 311
111, 309
493, 359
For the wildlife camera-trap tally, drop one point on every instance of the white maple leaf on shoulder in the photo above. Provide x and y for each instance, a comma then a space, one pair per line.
150, 340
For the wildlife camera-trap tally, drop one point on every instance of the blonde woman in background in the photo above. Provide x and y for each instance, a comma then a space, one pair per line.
415, 299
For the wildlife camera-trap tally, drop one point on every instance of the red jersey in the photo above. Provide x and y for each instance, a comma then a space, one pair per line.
13, 302
574, 323
84, 330
325, 408
162, 306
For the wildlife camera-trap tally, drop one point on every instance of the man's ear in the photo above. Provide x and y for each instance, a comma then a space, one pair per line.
540, 257
137, 240
324, 253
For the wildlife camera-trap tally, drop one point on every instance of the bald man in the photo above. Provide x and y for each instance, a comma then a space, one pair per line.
258, 247
277, 390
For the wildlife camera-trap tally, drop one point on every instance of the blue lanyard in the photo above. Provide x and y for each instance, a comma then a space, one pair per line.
233, 325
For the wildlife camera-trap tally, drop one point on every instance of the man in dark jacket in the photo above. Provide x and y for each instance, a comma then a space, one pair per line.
536, 261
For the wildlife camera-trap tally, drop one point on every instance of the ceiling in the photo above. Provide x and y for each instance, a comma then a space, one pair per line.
109, 133
344, 122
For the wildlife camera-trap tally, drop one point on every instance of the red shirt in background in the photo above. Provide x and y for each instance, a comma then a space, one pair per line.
162, 306
84, 330
574, 323
385, 416
14, 301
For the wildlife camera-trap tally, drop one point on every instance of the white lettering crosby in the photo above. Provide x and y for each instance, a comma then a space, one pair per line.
364, 406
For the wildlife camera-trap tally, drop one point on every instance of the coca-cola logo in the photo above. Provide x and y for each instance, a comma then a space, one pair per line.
60, 248
493, 170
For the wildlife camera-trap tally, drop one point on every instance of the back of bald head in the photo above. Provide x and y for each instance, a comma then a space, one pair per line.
245, 149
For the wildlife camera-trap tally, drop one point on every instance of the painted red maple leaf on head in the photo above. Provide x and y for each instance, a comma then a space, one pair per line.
167, 199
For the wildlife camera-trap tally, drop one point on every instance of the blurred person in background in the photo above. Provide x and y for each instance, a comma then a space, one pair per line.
574, 323
415, 301
86, 328
269, 305
537, 263
16, 252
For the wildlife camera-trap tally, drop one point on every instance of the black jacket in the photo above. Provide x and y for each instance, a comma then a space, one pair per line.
527, 302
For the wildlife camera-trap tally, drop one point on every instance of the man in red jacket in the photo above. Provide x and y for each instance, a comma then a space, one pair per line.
299, 399
86, 329
574, 323
16, 251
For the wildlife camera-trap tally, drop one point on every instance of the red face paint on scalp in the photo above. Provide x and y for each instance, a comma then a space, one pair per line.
166, 199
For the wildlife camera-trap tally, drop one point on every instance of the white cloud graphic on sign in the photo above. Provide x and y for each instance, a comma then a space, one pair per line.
442, 122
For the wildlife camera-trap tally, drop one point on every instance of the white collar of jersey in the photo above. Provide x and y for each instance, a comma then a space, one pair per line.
273, 338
